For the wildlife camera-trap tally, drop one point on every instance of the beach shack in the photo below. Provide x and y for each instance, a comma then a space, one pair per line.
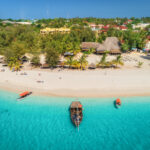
101, 49
111, 44
26, 57
86, 46
45, 66
115, 51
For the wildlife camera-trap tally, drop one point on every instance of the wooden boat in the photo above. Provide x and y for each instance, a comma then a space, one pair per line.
24, 94
76, 113
118, 103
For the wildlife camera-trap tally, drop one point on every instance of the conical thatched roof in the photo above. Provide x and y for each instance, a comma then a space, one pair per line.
110, 44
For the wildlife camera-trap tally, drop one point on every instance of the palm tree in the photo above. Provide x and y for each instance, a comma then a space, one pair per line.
17, 66
69, 61
103, 63
140, 64
125, 47
11, 65
14, 63
83, 62
76, 64
118, 61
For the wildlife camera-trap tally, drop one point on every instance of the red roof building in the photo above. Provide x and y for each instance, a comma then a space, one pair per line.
123, 28
129, 20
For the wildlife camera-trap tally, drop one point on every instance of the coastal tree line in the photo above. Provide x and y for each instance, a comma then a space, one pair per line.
16, 40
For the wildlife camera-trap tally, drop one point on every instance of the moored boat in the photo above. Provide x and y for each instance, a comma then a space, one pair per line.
24, 94
76, 113
118, 103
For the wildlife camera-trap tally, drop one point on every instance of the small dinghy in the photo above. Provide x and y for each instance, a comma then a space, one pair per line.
24, 94
76, 113
118, 103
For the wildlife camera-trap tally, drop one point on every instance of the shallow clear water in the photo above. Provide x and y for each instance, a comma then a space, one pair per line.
43, 123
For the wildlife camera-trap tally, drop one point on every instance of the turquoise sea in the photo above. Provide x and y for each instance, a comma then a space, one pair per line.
43, 123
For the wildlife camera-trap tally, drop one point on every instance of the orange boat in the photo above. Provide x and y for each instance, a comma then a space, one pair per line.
118, 102
24, 94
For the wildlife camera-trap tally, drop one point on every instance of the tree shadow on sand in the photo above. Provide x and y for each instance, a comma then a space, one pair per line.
146, 57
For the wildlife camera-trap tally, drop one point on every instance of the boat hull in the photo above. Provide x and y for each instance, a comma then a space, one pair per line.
118, 106
76, 113
76, 119
21, 97
118, 103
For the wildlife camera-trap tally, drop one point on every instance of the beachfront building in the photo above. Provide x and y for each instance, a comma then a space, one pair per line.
27, 57
111, 44
54, 30
86, 46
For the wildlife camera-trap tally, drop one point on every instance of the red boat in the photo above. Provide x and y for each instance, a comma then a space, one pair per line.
24, 94
118, 103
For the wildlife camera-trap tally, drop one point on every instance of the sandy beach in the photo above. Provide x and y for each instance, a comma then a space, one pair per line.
126, 81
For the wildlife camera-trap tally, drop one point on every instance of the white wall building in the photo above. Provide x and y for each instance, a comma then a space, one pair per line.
147, 46
140, 25
24, 23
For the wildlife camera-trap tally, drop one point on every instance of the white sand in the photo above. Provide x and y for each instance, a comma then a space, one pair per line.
127, 81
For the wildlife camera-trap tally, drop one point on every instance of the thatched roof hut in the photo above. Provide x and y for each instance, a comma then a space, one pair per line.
85, 46
115, 51
44, 66
101, 49
26, 57
111, 44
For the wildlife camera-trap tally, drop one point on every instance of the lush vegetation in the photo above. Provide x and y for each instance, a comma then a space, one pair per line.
129, 39
17, 40
103, 63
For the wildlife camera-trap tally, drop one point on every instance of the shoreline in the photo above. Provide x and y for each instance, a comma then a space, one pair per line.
91, 88
127, 81
73, 94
